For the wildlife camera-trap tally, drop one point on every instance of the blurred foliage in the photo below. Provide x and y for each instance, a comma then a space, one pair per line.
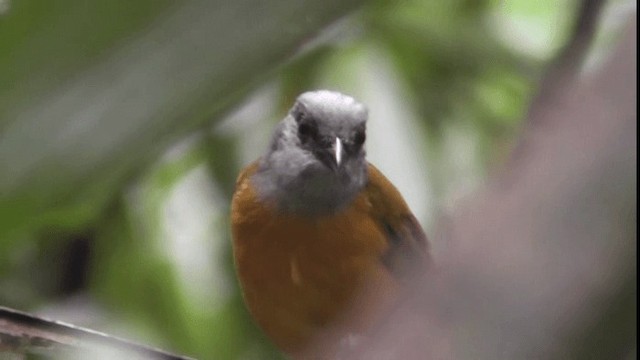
138, 228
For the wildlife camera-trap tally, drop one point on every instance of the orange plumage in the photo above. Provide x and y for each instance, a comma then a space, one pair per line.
300, 274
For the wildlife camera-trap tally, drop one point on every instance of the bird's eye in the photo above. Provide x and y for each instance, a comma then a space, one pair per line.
359, 137
307, 131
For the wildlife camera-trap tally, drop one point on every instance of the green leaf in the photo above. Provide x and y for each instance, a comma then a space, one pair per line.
93, 92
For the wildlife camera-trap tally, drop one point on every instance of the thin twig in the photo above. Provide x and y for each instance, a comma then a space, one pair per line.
566, 66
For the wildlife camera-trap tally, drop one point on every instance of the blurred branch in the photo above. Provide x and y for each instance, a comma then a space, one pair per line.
542, 263
562, 72
22, 333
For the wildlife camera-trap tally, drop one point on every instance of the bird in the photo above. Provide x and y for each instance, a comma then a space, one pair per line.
318, 231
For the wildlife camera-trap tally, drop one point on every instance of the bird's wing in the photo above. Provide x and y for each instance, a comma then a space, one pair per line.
408, 244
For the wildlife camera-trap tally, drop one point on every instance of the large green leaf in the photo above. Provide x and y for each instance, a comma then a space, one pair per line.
91, 92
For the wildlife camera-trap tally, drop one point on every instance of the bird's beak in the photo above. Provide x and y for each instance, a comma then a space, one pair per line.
338, 151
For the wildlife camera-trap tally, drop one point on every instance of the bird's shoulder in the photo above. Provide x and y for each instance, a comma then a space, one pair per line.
245, 207
408, 244
245, 173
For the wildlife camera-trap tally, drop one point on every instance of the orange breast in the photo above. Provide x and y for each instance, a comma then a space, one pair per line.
298, 274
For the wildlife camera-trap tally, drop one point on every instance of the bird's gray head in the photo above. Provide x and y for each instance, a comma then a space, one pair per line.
316, 162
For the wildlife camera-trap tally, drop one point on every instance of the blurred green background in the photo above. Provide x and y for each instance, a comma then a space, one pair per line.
124, 124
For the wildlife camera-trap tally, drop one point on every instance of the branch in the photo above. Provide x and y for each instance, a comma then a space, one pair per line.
23, 333
542, 263
562, 72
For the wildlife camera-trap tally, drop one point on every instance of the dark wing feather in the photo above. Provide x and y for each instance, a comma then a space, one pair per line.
408, 245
